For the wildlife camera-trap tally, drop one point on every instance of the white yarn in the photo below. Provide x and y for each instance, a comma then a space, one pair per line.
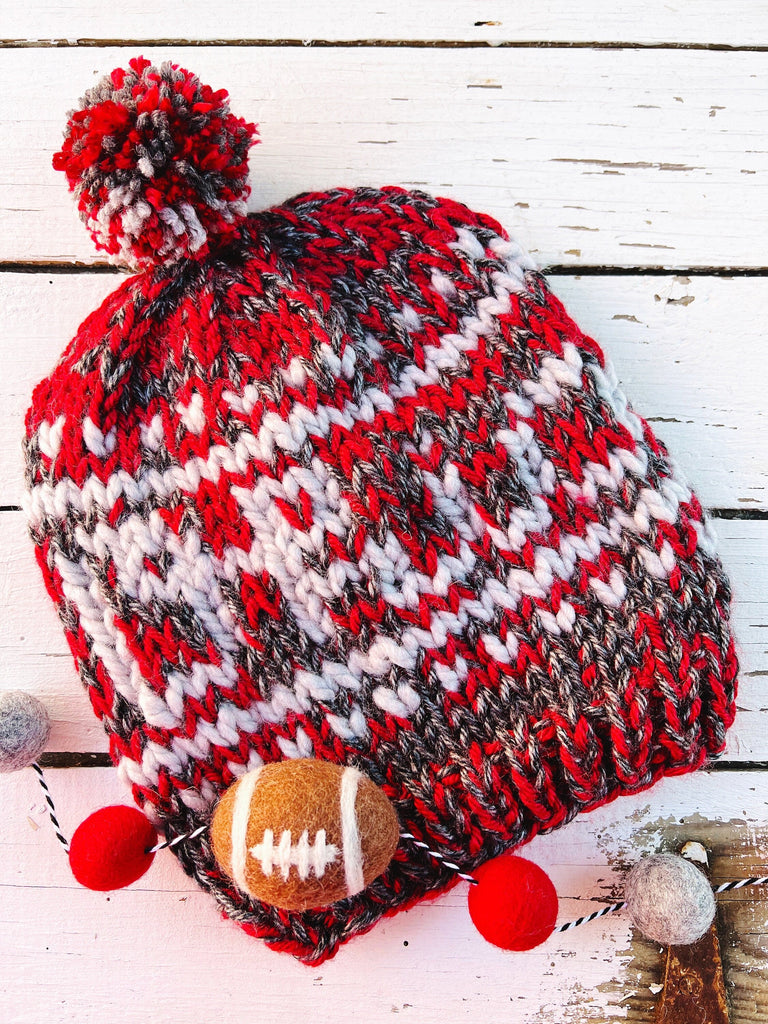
350, 834
241, 812
49, 436
306, 857
193, 415
97, 442
281, 549
198, 236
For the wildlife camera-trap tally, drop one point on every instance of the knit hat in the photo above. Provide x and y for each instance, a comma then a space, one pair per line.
342, 480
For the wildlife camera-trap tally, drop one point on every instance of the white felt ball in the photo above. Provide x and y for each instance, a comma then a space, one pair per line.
24, 729
669, 900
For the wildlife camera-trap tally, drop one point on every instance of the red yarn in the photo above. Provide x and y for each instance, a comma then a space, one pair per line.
514, 904
158, 164
284, 384
109, 849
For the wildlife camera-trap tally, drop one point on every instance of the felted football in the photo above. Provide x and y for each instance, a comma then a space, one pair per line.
343, 480
305, 833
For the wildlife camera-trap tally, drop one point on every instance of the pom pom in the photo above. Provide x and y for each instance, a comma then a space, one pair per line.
514, 904
24, 730
669, 900
158, 164
109, 849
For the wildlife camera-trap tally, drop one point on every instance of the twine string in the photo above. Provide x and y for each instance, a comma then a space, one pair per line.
164, 844
739, 883
167, 843
730, 886
439, 856
610, 909
51, 808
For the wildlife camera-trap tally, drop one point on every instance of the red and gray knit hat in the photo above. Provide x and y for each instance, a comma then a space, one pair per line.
343, 480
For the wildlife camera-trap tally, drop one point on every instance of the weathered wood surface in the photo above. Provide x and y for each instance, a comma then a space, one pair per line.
622, 157
159, 951
604, 158
465, 21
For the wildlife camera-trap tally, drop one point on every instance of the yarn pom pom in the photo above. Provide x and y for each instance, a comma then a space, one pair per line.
669, 900
24, 730
109, 849
514, 904
158, 164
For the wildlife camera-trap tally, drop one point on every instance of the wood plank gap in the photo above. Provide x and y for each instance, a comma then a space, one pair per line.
559, 269
74, 759
596, 270
749, 514
734, 766
413, 44
32, 267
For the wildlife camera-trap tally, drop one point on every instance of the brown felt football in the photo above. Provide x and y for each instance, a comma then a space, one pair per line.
303, 833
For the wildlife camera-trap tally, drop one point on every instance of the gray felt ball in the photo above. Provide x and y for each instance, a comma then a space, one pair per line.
24, 729
669, 899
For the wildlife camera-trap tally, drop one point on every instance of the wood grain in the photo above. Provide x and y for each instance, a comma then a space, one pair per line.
465, 21
621, 157
616, 157
161, 944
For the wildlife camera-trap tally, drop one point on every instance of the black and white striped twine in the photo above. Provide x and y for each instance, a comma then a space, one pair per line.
51, 808
729, 886
740, 883
439, 856
167, 843
612, 908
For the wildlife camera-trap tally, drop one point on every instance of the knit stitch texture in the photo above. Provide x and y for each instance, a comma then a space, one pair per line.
355, 487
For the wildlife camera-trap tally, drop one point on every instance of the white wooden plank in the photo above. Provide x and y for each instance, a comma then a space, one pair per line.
34, 655
73, 955
494, 21
164, 954
690, 352
628, 157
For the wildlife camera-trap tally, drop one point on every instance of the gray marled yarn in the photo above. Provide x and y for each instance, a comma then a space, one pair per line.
357, 488
24, 730
669, 899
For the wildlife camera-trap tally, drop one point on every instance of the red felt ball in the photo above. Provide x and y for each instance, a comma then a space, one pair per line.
514, 904
109, 849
